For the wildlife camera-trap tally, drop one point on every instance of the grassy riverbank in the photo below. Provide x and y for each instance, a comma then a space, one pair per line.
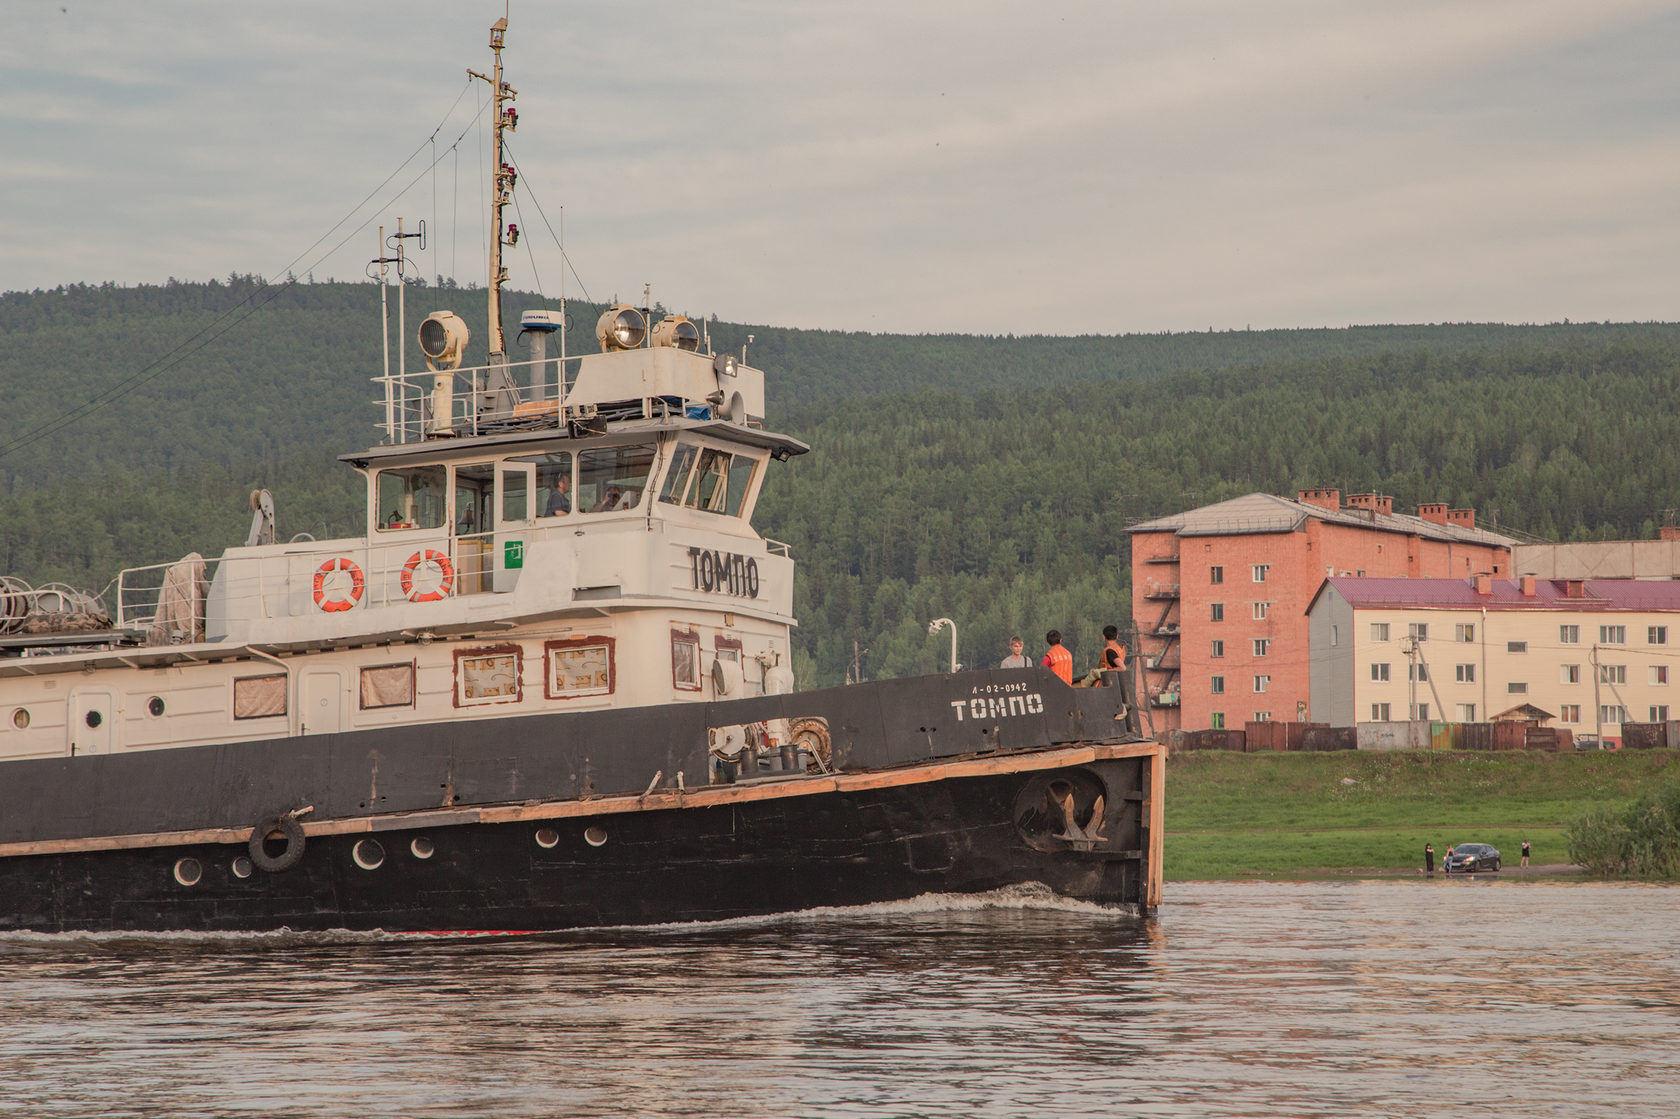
1301, 814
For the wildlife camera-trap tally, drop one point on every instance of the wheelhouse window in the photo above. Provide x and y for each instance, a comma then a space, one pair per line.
259, 697
488, 675
555, 483
685, 660
581, 666
388, 685
410, 497
610, 479
708, 479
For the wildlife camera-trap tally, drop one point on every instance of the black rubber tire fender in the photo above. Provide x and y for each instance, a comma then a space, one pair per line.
287, 825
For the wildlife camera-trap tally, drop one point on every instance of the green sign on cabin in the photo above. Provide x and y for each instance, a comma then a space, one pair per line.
513, 554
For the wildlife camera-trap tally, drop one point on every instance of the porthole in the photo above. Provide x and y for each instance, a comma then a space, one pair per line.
242, 867
595, 836
93, 718
369, 855
155, 705
547, 837
188, 871
421, 847
20, 719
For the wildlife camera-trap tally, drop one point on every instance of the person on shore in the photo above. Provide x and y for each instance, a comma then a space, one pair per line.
1429, 859
1056, 657
1525, 853
1016, 658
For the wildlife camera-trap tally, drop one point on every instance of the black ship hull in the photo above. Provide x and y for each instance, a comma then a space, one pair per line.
953, 808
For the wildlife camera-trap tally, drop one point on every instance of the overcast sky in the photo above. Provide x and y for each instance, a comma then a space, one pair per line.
1028, 166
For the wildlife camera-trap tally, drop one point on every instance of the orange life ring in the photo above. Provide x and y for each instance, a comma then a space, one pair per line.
357, 584
445, 584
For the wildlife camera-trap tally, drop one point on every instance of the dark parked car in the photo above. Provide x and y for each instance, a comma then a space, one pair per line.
1469, 858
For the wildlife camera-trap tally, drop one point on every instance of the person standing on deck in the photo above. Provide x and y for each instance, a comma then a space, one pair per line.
1016, 658
1056, 658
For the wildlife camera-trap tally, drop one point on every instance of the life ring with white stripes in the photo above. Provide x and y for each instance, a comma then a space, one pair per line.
446, 576
358, 583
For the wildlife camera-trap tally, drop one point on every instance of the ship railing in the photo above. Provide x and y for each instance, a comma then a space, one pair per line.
777, 548
518, 396
166, 599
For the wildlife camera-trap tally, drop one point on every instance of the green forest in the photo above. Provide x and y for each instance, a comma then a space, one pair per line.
990, 480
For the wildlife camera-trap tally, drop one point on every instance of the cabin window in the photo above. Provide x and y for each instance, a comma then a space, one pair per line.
488, 675
685, 660
579, 667
612, 478
708, 479
410, 497
388, 685
516, 502
259, 697
555, 485
473, 492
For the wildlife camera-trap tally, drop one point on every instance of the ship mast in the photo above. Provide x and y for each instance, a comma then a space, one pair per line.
502, 181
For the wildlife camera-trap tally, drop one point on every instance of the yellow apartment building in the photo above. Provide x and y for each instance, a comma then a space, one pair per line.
1589, 653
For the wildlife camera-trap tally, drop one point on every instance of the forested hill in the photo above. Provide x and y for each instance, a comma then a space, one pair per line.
183, 374
998, 499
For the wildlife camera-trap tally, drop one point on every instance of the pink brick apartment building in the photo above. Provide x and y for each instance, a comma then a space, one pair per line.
1220, 593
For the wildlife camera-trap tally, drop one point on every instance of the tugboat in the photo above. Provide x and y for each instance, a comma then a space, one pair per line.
548, 686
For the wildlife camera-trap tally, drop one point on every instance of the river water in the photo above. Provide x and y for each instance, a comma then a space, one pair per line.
1478, 997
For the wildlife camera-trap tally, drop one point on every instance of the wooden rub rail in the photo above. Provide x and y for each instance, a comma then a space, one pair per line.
707, 796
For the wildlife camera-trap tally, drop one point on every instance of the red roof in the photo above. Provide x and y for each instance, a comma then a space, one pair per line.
1507, 594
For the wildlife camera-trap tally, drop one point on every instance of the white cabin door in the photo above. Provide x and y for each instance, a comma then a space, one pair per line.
90, 721
516, 496
321, 701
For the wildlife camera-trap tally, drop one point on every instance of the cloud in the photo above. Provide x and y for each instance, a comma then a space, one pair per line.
986, 166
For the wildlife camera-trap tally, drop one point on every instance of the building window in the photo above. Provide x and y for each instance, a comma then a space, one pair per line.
1260, 571
1659, 674
1335, 636
1569, 635
1379, 631
685, 660
1612, 713
1216, 685
1612, 635
1216, 575
1218, 720
1516, 646
1516, 688
1216, 650
1464, 631
1656, 635
1262, 716
1612, 674
1260, 609
489, 675
1569, 674
1379, 672
1467, 712
1262, 645
259, 697
1418, 631
1465, 674
1569, 713
1659, 713
388, 685
1420, 711
1418, 672
1262, 683
1218, 611
1379, 712
578, 667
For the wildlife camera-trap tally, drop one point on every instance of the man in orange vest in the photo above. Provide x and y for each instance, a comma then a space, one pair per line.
1056, 658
